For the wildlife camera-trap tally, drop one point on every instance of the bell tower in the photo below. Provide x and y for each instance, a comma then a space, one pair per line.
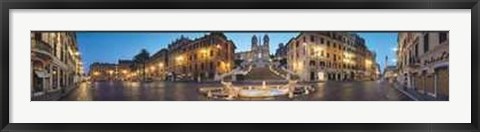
255, 48
266, 46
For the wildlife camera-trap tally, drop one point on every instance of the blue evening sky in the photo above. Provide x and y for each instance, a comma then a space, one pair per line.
111, 46
382, 43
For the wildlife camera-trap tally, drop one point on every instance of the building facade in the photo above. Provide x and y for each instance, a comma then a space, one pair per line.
260, 50
104, 72
55, 61
321, 56
257, 51
124, 70
423, 62
157, 65
244, 55
202, 58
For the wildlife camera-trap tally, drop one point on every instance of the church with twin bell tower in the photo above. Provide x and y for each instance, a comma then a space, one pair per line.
259, 50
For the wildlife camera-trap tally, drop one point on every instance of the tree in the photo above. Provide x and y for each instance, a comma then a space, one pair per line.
283, 62
140, 61
238, 62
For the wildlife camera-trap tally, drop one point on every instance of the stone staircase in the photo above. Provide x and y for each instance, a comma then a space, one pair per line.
262, 73
258, 71
286, 72
235, 72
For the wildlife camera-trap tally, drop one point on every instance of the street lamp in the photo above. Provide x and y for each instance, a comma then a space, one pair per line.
152, 68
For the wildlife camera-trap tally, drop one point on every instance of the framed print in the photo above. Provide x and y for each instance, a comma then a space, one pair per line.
186, 65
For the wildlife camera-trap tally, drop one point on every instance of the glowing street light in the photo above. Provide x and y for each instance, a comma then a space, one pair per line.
152, 68
110, 72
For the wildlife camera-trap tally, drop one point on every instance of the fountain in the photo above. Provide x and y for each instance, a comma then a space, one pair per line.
209, 94
260, 69
306, 90
230, 92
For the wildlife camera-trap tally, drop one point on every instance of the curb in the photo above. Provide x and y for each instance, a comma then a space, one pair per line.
406, 93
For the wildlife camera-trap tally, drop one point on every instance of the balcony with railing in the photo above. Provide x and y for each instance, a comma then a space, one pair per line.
414, 62
40, 46
41, 49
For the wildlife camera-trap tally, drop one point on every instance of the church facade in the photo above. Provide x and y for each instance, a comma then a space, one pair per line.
259, 50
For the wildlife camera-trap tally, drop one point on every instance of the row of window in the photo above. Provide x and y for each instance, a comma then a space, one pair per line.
336, 65
335, 36
322, 53
197, 44
443, 36
329, 44
199, 67
57, 39
208, 54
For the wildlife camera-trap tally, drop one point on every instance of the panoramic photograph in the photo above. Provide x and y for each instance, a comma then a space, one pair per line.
239, 66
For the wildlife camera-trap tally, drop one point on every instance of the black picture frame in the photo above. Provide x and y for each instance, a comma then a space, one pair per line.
6, 5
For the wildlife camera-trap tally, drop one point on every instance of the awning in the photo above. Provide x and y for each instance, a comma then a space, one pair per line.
42, 74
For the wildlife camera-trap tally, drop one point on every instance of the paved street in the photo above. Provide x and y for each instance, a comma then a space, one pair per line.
184, 91
356, 91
